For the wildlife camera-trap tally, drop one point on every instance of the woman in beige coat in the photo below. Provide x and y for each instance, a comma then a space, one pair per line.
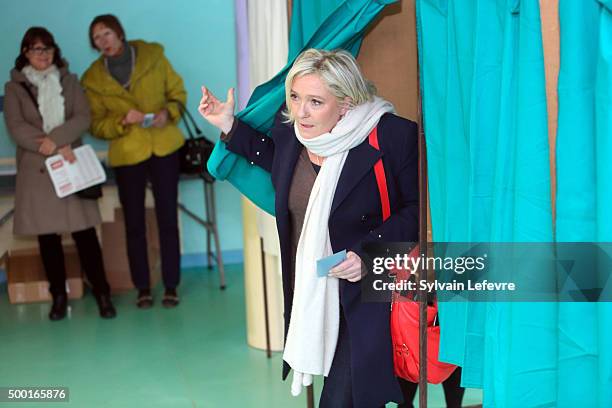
46, 113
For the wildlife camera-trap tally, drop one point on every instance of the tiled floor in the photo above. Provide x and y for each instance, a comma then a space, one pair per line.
192, 356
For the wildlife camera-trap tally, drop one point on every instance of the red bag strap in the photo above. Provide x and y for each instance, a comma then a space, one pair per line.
381, 180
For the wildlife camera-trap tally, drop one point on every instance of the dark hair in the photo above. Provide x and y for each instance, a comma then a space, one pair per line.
109, 21
30, 38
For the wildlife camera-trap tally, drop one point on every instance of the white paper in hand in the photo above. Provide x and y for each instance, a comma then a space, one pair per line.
148, 120
69, 178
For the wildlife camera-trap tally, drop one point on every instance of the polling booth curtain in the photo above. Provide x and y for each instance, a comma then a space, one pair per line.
344, 28
306, 17
485, 121
584, 192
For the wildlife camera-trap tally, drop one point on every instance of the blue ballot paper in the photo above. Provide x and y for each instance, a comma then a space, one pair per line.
325, 264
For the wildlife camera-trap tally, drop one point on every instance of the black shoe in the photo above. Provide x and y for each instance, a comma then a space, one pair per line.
59, 307
170, 299
144, 300
105, 306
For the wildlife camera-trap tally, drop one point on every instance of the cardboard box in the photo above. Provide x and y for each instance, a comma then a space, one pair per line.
27, 281
114, 251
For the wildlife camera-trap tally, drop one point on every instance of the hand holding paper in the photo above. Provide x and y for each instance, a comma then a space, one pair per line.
69, 177
67, 153
160, 118
349, 269
324, 265
132, 117
148, 120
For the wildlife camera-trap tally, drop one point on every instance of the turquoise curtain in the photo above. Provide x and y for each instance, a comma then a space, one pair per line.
484, 105
344, 28
306, 18
584, 192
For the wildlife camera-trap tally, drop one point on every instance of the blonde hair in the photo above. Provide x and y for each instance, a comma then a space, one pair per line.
338, 70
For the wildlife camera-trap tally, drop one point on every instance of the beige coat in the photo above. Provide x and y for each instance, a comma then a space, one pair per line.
38, 210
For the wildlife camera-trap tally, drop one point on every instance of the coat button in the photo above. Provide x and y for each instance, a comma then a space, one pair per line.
364, 218
42, 171
252, 163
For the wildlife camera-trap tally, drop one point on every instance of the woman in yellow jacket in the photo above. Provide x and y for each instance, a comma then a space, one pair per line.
136, 97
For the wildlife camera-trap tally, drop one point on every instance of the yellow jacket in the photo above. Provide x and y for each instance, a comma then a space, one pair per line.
153, 86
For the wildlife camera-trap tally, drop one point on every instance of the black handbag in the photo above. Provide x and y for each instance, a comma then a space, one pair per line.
91, 193
197, 148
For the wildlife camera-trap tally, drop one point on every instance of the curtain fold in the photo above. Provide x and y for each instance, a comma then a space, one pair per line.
482, 79
484, 105
306, 17
584, 192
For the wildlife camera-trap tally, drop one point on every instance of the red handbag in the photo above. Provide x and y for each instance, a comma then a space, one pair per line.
405, 311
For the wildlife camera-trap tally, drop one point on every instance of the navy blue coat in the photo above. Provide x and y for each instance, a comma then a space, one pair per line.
356, 218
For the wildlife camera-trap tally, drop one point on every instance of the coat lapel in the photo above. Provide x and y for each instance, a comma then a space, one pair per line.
359, 162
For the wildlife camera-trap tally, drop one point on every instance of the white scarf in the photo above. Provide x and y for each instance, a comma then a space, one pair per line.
313, 328
50, 98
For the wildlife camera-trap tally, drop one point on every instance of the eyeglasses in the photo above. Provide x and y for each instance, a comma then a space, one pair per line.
42, 50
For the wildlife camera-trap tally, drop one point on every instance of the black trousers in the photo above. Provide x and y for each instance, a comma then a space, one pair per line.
163, 172
337, 386
90, 256
453, 392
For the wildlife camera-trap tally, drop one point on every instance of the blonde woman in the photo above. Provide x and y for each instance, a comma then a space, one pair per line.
327, 200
